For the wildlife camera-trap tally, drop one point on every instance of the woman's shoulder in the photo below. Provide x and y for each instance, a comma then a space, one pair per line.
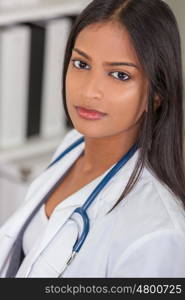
170, 202
149, 216
151, 207
149, 229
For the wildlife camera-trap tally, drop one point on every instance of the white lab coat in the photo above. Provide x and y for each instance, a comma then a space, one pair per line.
144, 236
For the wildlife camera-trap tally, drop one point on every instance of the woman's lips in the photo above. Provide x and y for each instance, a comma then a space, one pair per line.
89, 114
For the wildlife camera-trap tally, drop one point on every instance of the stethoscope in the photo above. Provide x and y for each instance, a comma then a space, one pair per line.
82, 211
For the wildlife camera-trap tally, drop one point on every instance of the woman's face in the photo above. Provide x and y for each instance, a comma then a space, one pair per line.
95, 82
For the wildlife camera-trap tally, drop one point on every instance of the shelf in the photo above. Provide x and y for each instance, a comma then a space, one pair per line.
44, 9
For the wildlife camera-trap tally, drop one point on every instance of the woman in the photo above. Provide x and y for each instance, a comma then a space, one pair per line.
122, 92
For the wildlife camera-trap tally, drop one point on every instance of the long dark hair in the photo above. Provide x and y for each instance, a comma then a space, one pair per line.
155, 35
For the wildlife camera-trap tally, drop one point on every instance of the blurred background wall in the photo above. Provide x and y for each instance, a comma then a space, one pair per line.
33, 35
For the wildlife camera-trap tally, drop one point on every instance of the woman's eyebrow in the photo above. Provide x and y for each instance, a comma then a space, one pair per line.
129, 64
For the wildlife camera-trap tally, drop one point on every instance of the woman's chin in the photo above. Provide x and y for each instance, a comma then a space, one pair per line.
88, 132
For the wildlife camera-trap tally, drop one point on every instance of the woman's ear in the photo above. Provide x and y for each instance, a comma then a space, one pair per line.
157, 102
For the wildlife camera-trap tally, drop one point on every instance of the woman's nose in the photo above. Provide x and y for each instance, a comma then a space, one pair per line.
93, 88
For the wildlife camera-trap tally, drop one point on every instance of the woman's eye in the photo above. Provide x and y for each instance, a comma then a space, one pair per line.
79, 64
121, 76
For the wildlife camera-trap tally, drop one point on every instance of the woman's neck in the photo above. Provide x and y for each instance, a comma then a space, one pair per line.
101, 153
